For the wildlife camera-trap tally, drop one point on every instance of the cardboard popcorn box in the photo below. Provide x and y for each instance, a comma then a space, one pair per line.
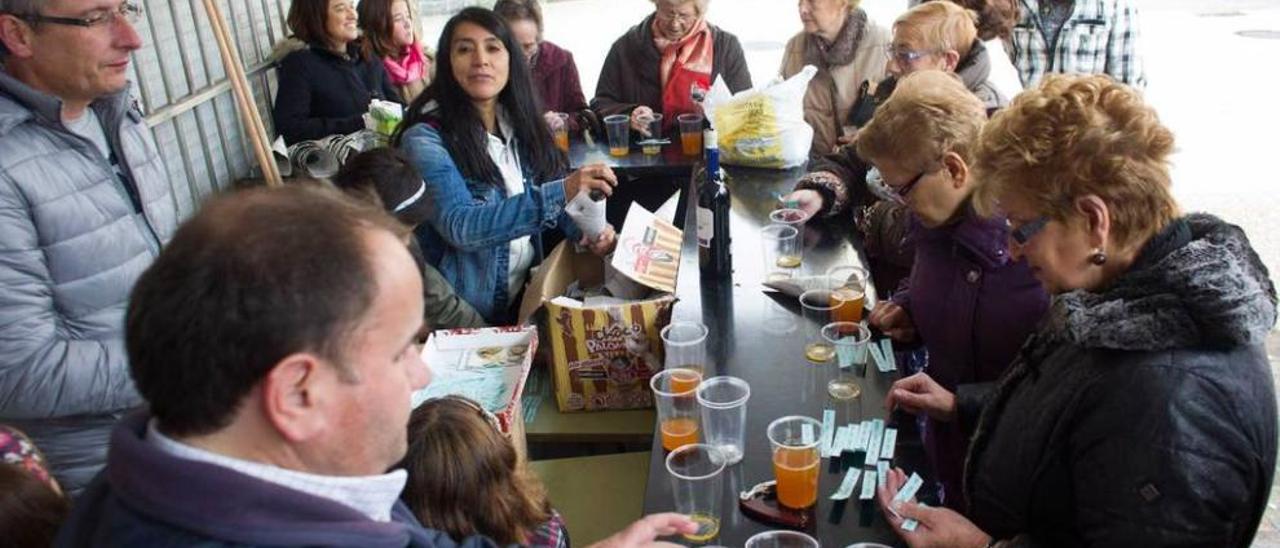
489, 365
603, 351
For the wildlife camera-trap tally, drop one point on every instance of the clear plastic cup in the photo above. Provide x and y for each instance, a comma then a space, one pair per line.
696, 482
560, 130
781, 539
818, 307
790, 217
685, 346
618, 129
690, 134
724, 415
782, 252
850, 284
650, 145
850, 341
675, 397
794, 440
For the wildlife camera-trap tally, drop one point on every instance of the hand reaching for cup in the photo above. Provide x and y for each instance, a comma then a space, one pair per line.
809, 201
645, 532
640, 117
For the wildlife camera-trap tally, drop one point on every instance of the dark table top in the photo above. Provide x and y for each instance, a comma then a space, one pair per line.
671, 162
772, 362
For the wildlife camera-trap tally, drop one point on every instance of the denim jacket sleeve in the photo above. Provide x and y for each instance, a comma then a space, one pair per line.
466, 222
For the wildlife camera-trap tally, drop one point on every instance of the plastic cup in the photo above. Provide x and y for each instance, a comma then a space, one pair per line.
724, 415
649, 146
696, 481
685, 345
618, 129
818, 307
790, 217
782, 252
675, 396
794, 440
781, 539
690, 134
850, 341
560, 130
850, 285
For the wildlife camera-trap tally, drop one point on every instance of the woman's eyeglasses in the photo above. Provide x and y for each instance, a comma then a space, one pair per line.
906, 56
1023, 233
884, 191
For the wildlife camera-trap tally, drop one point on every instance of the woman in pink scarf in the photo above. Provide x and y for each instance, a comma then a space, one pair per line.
389, 34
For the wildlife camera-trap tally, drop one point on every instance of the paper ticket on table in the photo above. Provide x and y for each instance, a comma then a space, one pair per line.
868, 486
806, 434
846, 486
888, 443
864, 436
873, 446
882, 473
828, 431
837, 444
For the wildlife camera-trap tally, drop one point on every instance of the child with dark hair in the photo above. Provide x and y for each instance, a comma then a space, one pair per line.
32, 505
384, 177
465, 479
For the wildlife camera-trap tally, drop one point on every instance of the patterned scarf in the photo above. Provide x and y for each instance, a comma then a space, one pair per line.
685, 62
409, 68
820, 53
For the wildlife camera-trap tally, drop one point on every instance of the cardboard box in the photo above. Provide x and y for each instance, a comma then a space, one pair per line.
602, 356
466, 362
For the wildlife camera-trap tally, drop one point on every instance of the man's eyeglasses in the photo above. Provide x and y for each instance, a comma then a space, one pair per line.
905, 56
128, 11
884, 191
1027, 230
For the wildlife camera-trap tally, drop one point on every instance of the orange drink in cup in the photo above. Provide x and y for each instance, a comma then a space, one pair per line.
675, 395
794, 440
690, 134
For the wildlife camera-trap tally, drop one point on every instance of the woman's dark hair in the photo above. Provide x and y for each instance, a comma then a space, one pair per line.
465, 478
30, 510
520, 10
459, 123
375, 23
382, 177
307, 21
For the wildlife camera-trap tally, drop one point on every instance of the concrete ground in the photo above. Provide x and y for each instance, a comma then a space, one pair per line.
1211, 76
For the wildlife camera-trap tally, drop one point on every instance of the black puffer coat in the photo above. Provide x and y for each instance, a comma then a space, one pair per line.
1142, 415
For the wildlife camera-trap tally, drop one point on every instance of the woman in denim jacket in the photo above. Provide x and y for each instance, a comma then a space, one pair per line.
493, 176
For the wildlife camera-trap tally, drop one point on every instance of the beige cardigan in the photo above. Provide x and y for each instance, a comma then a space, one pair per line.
832, 92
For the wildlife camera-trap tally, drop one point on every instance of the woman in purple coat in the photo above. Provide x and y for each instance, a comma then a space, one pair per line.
555, 74
966, 300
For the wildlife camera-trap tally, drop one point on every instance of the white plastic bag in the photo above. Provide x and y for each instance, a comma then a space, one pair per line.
762, 127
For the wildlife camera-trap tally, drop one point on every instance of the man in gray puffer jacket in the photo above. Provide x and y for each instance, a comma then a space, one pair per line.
84, 208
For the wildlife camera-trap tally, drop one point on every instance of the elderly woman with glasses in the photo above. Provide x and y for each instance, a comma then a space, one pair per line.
660, 65
966, 300
932, 36
1141, 412
847, 48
